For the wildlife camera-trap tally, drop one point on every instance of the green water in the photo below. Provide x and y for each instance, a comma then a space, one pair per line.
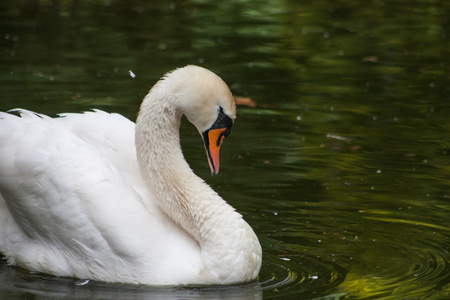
342, 169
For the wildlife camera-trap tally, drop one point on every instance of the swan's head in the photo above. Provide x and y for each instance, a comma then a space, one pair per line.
206, 101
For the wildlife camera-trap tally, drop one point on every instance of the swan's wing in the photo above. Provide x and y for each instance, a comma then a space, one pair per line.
72, 202
111, 135
66, 183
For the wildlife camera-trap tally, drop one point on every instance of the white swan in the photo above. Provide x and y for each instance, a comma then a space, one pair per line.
95, 196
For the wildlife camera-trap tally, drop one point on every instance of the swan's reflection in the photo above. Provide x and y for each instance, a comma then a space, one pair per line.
15, 282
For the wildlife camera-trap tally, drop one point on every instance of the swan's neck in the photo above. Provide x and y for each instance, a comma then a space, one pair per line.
185, 197
230, 250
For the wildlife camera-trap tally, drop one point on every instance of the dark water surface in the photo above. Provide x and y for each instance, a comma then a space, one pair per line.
342, 168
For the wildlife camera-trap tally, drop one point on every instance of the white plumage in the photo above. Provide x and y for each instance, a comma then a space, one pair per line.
79, 199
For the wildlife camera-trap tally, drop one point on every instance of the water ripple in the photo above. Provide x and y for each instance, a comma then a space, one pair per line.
299, 275
408, 261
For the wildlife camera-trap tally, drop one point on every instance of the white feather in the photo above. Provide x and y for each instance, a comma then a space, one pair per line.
77, 201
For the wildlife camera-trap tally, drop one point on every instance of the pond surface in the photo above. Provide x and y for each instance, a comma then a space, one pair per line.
343, 166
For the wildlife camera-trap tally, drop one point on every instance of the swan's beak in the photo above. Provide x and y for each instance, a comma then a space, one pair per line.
213, 139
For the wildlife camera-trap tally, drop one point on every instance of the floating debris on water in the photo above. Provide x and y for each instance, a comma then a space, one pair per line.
339, 137
82, 282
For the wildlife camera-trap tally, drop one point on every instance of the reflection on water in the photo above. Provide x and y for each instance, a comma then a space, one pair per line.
15, 281
341, 169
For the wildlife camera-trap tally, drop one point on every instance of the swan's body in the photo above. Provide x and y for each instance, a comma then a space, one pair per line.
79, 199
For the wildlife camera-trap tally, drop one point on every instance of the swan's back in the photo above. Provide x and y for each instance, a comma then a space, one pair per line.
73, 199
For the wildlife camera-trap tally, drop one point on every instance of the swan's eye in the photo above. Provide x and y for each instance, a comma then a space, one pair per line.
222, 121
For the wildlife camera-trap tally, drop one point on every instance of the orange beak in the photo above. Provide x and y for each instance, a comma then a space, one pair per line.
213, 139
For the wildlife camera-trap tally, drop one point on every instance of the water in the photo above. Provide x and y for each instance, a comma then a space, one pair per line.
342, 168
